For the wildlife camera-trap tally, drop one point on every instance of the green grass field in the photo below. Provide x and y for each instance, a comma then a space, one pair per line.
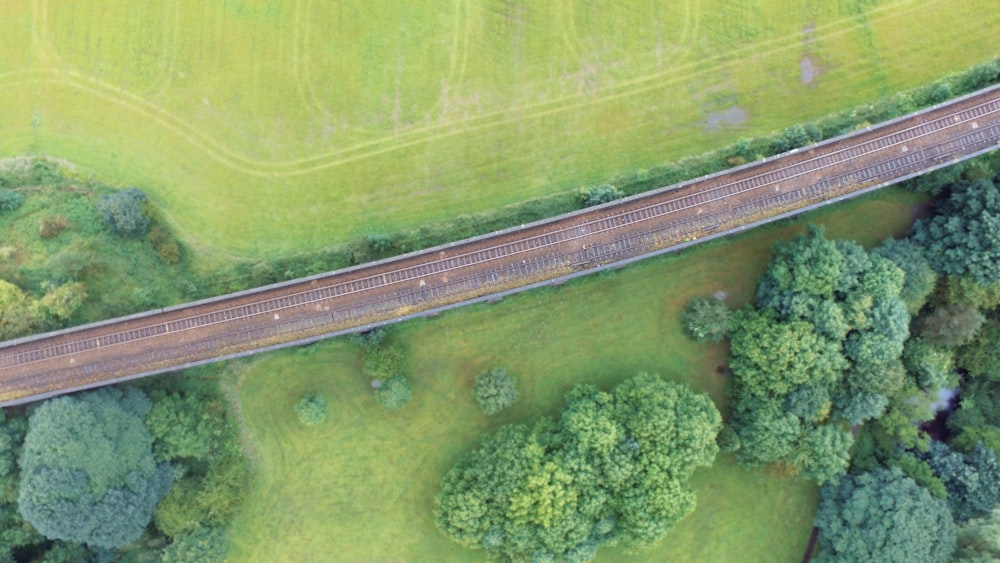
268, 127
360, 486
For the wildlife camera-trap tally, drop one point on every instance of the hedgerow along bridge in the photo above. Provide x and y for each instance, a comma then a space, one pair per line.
491, 266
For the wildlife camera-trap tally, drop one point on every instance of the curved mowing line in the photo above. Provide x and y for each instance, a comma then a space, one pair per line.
307, 165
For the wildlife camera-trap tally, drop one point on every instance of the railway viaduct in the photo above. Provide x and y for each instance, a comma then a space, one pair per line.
491, 266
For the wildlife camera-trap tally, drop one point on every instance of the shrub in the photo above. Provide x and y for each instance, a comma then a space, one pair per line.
385, 362
311, 409
495, 390
599, 194
706, 319
10, 200
51, 225
122, 212
394, 393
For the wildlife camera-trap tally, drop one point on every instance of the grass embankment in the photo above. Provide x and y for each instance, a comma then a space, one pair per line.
360, 486
57, 237
288, 126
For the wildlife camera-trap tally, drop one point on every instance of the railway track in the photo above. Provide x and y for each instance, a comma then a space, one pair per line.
507, 261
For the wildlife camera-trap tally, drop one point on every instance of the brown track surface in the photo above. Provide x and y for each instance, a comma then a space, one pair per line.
309, 309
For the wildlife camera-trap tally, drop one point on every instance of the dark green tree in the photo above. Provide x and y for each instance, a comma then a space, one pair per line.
706, 319
977, 418
972, 479
495, 390
981, 356
930, 365
393, 393
311, 409
979, 540
202, 544
883, 515
87, 468
613, 468
920, 276
123, 213
963, 236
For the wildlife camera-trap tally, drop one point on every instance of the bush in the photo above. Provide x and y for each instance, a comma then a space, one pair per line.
311, 409
495, 390
706, 319
599, 194
122, 212
51, 225
393, 393
385, 362
10, 200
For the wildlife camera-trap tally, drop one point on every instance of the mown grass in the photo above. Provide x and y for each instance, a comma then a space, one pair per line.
360, 487
264, 128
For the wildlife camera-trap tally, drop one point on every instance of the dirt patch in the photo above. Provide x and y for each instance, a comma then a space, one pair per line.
723, 119
808, 70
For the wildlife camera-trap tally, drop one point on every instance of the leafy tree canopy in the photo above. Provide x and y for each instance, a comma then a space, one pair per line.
963, 236
920, 276
883, 515
613, 467
951, 325
87, 468
972, 479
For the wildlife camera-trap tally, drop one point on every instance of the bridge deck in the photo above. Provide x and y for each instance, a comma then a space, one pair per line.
304, 310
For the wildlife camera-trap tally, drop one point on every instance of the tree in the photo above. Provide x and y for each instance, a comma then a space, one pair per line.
495, 390
384, 361
951, 325
122, 212
979, 539
977, 418
981, 356
393, 393
972, 479
612, 468
706, 319
202, 544
931, 366
920, 276
882, 515
182, 427
963, 236
87, 468
311, 409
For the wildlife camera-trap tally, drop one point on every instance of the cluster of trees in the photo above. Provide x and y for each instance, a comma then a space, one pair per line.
818, 352
611, 468
117, 473
22, 314
385, 364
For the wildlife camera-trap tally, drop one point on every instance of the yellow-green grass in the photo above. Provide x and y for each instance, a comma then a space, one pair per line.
268, 127
360, 486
